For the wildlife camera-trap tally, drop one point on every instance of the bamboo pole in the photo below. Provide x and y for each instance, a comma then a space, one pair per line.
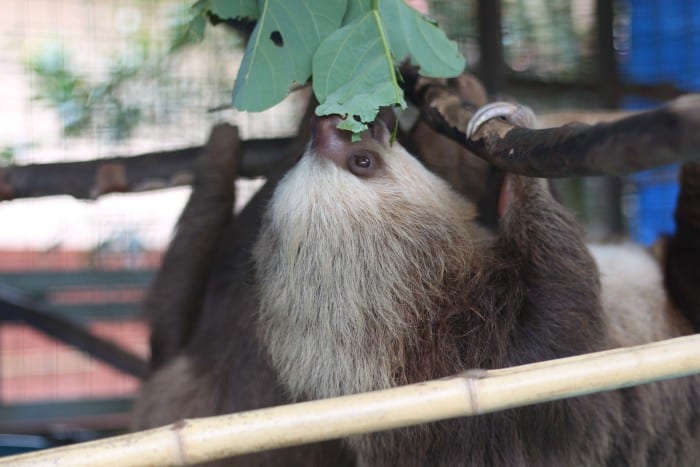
472, 393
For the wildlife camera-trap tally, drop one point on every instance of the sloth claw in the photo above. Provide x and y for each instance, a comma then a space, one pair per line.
519, 115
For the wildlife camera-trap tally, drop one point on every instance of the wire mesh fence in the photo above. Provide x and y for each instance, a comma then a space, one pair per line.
85, 79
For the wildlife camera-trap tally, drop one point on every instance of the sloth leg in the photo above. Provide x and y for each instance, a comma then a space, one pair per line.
560, 312
495, 192
175, 297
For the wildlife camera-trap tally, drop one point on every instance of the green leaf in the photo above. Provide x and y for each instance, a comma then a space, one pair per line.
188, 33
281, 48
234, 9
7, 155
354, 73
200, 7
356, 8
412, 35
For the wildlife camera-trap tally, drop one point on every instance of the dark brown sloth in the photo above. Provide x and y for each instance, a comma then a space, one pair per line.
373, 273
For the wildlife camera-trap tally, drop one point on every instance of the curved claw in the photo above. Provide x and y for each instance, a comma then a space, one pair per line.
519, 115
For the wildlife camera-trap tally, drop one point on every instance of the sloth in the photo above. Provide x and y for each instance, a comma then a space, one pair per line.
373, 273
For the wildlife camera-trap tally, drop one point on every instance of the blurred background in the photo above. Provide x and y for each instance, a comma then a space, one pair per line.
88, 79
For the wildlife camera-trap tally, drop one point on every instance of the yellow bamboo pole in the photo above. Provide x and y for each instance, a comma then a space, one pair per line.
205, 439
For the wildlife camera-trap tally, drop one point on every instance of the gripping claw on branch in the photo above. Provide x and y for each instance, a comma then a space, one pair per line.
515, 114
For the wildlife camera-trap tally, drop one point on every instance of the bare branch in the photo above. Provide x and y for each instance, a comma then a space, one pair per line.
93, 178
641, 141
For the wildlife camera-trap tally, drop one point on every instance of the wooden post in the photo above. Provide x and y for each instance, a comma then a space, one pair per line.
605, 194
491, 63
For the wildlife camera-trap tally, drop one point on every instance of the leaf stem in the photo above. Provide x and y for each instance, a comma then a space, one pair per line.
387, 52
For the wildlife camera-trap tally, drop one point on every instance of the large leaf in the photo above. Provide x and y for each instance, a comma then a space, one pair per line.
354, 73
281, 48
234, 9
411, 34
354, 68
193, 30
356, 9
187, 32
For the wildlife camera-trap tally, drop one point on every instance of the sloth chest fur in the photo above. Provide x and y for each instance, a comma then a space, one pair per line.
333, 342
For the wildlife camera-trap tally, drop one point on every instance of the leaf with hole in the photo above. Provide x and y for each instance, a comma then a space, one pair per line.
281, 48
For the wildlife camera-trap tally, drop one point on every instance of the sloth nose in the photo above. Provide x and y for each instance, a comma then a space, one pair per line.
327, 140
324, 130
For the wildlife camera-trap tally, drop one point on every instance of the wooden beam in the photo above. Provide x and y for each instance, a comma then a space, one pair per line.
491, 62
38, 417
15, 307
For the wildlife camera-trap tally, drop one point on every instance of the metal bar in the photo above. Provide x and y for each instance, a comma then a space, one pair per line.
37, 416
489, 14
15, 307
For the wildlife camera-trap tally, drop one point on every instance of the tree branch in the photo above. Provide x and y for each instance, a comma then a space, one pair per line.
90, 179
641, 141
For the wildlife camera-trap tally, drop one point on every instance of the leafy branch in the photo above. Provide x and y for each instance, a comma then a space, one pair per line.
348, 49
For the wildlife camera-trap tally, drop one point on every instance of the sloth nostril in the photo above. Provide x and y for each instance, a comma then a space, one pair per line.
324, 129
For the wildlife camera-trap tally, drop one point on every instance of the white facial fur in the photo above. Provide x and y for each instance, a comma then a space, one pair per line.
348, 265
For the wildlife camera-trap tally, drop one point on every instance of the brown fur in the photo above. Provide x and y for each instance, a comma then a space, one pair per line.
205, 356
528, 293
464, 171
683, 248
385, 279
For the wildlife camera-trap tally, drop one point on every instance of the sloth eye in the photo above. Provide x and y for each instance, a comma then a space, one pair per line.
362, 163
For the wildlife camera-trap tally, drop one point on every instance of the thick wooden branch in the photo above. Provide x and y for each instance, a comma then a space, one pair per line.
589, 117
640, 141
93, 178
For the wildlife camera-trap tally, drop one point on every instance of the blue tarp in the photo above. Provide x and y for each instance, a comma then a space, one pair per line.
664, 48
